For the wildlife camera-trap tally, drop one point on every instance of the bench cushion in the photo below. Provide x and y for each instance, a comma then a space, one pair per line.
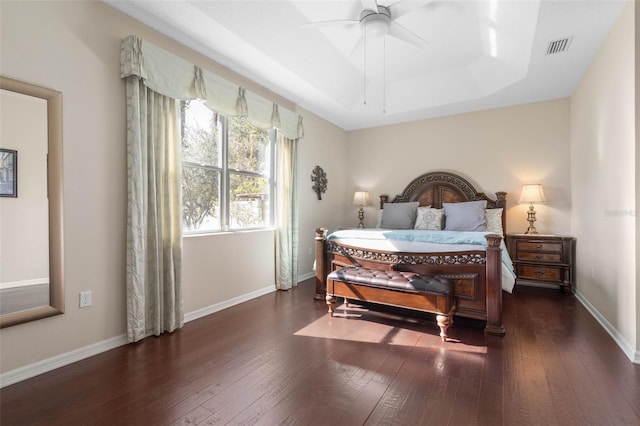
397, 280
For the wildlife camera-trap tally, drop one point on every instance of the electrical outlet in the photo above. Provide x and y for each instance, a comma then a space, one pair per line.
85, 299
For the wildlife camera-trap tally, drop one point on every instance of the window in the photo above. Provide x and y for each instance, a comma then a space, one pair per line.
227, 171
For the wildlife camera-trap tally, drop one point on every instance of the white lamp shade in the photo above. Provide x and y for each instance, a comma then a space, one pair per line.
532, 193
361, 198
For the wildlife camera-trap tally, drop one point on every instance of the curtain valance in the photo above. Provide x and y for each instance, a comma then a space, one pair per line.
175, 77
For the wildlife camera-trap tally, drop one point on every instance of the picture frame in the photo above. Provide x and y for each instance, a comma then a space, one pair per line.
8, 173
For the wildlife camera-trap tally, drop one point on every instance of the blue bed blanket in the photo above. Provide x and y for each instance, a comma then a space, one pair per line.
424, 236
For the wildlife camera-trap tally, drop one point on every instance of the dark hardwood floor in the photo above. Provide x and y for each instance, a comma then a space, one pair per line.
280, 359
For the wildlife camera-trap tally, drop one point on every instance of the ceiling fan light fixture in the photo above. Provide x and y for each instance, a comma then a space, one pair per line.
378, 27
375, 24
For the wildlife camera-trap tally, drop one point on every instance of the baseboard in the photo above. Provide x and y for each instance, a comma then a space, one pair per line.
627, 349
49, 364
191, 316
306, 276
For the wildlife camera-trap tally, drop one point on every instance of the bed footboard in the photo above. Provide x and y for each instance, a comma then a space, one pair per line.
477, 275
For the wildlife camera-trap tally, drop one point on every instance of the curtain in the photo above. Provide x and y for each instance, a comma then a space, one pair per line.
156, 81
286, 213
154, 215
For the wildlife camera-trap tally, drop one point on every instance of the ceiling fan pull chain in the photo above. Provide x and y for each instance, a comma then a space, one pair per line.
364, 82
384, 75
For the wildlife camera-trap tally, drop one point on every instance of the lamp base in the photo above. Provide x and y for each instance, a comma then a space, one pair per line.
361, 217
531, 217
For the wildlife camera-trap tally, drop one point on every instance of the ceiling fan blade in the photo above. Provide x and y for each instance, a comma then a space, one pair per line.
403, 7
332, 23
398, 31
357, 48
370, 5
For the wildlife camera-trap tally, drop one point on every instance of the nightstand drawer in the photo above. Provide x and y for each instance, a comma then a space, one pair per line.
542, 273
539, 246
540, 257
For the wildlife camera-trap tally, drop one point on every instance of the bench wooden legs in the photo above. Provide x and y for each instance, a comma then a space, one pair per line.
330, 301
444, 320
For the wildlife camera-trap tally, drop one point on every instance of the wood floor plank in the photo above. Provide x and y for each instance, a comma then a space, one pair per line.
297, 365
563, 395
516, 407
491, 402
466, 398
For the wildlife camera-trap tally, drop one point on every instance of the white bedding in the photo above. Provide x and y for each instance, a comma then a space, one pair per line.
379, 240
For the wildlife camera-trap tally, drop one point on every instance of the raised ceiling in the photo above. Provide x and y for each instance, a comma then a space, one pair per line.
479, 54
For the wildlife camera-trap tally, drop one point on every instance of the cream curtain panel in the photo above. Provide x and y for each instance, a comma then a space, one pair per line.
154, 231
286, 214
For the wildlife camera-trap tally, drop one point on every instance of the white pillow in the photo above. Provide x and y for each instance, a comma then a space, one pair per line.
379, 219
494, 221
429, 219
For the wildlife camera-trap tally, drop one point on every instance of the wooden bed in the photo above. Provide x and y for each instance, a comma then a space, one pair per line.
476, 274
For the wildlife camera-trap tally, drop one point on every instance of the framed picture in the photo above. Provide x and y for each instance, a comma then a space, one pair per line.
8, 173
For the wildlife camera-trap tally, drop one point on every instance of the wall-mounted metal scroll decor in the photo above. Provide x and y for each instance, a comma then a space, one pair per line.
319, 179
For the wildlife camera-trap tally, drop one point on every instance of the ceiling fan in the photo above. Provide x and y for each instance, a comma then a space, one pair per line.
378, 21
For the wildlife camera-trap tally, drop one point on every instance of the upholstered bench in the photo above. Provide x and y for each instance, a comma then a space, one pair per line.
395, 288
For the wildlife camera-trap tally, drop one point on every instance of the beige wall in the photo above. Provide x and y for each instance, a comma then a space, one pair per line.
603, 177
497, 150
324, 145
73, 47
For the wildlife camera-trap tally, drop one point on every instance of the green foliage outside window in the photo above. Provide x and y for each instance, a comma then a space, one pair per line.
248, 169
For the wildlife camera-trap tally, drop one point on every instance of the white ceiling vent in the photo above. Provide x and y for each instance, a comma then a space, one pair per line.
559, 46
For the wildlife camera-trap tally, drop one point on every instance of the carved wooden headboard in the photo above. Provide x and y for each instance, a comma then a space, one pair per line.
435, 188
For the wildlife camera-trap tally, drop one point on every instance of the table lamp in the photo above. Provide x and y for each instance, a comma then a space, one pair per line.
361, 198
532, 194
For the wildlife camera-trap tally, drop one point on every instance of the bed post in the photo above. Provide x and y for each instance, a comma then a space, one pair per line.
494, 286
501, 202
321, 277
383, 199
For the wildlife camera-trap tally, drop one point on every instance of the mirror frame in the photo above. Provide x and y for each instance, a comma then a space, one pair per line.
55, 192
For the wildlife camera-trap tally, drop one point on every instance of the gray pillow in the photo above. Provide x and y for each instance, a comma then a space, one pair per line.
467, 216
399, 215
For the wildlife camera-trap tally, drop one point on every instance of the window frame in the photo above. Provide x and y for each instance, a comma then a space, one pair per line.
225, 173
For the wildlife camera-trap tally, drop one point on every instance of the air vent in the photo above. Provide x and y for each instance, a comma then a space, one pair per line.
559, 46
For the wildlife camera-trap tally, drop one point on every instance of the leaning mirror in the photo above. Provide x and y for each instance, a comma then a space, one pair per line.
31, 246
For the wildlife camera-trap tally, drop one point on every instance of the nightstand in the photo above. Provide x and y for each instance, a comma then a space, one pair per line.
546, 259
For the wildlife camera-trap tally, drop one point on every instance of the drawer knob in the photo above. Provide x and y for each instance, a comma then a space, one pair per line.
538, 256
539, 272
539, 246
